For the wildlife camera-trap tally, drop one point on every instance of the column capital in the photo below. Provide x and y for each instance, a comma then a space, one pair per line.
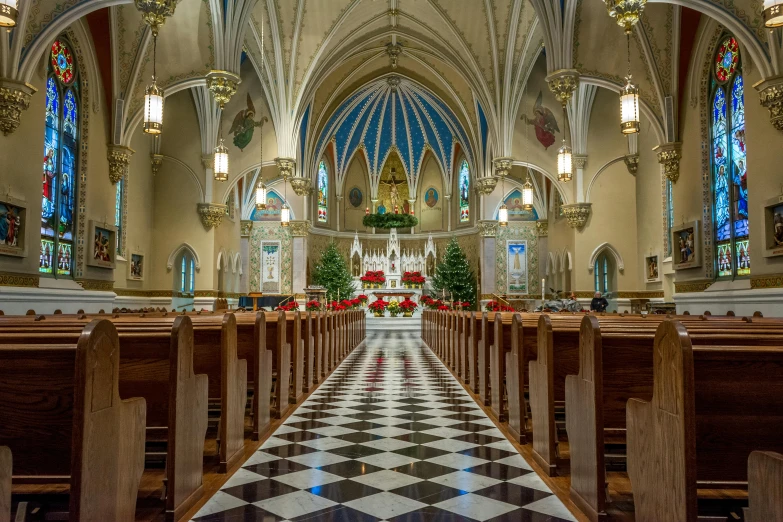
245, 227
771, 97
302, 186
632, 163
487, 227
502, 166
542, 227
485, 185
119, 160
563, 83
300, 228
577, 214
14, 98
580, 160
156, 160
669, 155
211, 214
222, 85
285, 166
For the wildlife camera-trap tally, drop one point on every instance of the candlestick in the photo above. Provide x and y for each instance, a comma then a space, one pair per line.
366, 211
543, 289
396, 209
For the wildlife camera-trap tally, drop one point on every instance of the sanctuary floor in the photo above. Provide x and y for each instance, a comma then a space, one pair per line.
391, 435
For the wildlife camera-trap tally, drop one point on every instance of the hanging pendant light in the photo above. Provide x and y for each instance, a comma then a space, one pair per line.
503, 211
527, 194
260, 196
153, 98
629, 99
8, 13
285, 215
773, 13
564, 163
220, 166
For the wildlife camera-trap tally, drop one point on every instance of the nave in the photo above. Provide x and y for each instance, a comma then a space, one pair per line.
390, 435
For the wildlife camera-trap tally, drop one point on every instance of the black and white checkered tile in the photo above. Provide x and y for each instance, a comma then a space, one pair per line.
389, 436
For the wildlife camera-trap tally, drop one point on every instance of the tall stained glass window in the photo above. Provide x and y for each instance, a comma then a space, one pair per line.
669, 214
464, 192
61, 145
323, 192
729, 162
119, 188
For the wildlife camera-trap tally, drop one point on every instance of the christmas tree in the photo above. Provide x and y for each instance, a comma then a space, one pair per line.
454, 275
332, 273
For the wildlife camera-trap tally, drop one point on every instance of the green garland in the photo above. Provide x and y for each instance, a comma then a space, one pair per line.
389, 220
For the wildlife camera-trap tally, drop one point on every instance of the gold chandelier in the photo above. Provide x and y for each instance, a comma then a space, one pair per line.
625, 12
155, 12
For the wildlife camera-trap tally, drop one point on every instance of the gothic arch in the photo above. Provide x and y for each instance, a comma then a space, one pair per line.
606, 247
177, 251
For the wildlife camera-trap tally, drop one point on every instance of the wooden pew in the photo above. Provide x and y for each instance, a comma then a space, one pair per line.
712, 405
75, 427
483, 360
281, 355
5, 483
497, 368
765, 487
474, 346
310, 350
295, 335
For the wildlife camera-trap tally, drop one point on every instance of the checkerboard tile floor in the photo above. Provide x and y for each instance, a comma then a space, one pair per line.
390, 436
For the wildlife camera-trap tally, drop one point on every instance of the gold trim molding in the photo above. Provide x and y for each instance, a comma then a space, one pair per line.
692, 286
767, 281
127, 292
96, 285
21, 280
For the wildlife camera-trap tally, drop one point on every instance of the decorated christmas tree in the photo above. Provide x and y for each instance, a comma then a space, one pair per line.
454, 275
332, 273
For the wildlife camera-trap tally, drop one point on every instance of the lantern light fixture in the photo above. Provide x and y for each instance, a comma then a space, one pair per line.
153, 98
629, 98
503, 215
527, 194
260, 196
8, 13
285, 215
564, 163
773, 13
220, 165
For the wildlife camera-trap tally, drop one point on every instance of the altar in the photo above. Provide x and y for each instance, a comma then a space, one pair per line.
409, 293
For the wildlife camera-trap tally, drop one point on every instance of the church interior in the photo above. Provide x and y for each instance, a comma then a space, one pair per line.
404, 260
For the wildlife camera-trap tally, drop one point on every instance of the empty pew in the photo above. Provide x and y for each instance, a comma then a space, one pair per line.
765, 487
5, 483
497, 363
276, 336
75, 428
712, 405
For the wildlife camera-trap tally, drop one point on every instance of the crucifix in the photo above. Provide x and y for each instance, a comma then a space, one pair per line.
394, 194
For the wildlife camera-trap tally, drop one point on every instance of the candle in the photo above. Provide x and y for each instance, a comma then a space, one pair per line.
543, 289
396, 209
366, 211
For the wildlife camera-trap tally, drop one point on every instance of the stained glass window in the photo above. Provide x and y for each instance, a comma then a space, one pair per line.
729, 162
464, 192
118, 212
61, 146
192, 275
323, 192
183, 274
601, 273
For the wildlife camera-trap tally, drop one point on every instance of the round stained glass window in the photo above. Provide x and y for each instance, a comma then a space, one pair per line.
62, 62
726, 59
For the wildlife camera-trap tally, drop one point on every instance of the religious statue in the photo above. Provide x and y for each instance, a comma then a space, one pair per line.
394, 194
243, 125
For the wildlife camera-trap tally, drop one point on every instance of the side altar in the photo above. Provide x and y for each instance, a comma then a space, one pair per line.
393, 261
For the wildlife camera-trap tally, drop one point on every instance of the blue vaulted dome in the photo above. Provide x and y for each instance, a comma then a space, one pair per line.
393, 112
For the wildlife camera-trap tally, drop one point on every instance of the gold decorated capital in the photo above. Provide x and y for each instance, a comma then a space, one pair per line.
669, 155
285, 166
301, 186
299, 228
632, 163
156, 160
487, 227
155, 12
486, 185
211, 214
542, 227
771, 97
394, 51
625, 12
563, 83
222, 85
502, 166
14, 98
119, 162
245, 228
577, 213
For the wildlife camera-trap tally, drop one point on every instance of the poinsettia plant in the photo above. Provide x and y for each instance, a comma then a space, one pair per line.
494, 306
379, 305
443, 307
408, 305
374, 277
461, 305
413, 278
426, 300
334, 306
293, 306
313, 306
362, 298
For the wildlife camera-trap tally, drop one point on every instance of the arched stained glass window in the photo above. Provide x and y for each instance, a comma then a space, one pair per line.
602, 270
729, 162
464, 192
669, 215
119, 188
183, 274
323, 192
61, 145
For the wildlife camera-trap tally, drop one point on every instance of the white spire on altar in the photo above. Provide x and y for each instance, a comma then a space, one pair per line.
393, 260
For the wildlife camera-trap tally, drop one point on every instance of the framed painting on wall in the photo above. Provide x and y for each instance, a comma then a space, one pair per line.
773, 227
101, 245
270, 267
136, 266
516, 266
652, 268
686, 243
13, 223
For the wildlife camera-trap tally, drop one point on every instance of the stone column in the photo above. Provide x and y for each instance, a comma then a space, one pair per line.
411, 203
487, 230
580, 162
299, 232
448, 205
339, 199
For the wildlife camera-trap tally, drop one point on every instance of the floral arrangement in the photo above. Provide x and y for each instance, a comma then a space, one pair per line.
494, 306
379, 306
394, 308
465, 305
412, 279
348, 304
373, 278
362, 299
313, 306
443, 307
408, 306
390, 220
293, 306
334, 306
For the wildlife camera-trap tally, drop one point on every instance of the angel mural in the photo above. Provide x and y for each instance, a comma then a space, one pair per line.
244, 124
544, 122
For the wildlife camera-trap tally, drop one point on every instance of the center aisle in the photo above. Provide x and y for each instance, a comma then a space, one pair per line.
391, 435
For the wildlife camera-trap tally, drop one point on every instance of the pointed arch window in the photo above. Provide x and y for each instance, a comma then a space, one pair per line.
729, 162
118, 195
323, 192
464, 192
61, 146
669, 216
